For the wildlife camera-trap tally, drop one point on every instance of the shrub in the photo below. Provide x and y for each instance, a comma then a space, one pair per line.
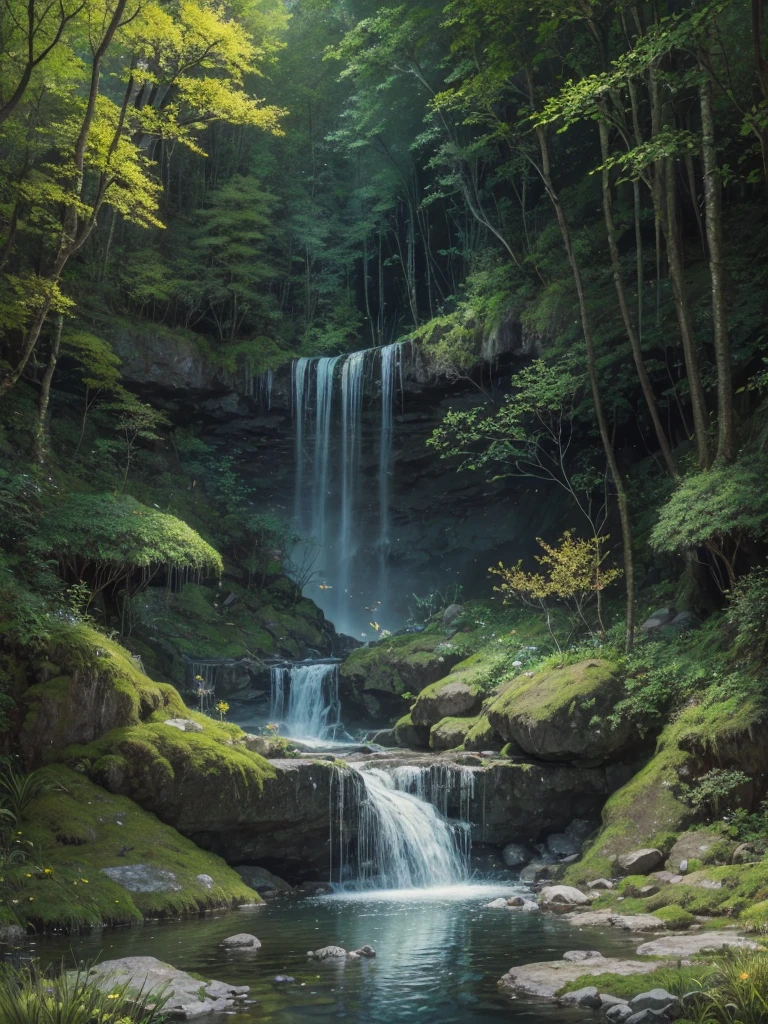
748, 615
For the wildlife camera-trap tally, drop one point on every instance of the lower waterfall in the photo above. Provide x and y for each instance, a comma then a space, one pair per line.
392, 839
305, 700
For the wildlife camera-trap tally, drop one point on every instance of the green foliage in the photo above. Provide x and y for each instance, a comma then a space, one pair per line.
715, 790
747, 614
675, 918
30, 995
718, 509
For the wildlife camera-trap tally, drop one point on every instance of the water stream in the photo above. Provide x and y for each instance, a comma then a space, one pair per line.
304, 700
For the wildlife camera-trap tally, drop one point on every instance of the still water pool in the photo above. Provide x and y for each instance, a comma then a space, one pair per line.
440, 953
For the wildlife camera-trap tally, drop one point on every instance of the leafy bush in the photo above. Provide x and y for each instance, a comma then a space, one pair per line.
716, 789
717, 509
748, 615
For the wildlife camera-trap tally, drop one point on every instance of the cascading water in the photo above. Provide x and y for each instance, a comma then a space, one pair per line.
389, 838
325, 506
305, 700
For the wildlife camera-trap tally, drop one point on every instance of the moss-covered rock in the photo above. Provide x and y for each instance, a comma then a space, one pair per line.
415, 737
100, 687
374, 677
481, 735
100, 859
449, 733
560, 713
449, 698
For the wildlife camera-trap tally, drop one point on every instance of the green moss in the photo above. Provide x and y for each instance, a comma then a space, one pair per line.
79, 829
676, 980
755, 919
553, 689
450, 733
481, 735
675, 917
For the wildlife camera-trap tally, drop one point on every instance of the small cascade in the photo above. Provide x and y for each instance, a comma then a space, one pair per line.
304, 700
391, 366
266, 384
448, 787
395, 840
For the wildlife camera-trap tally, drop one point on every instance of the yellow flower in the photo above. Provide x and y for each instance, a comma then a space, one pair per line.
743, 977
113, 995
84, 880
48, 871
27, 875
31, 899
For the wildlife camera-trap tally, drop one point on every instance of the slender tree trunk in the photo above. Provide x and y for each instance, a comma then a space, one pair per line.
589, 344
45, 394
682, 308
634, 340
712, 199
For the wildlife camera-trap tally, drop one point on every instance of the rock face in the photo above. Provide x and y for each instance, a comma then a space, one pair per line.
186, 997
261, 880
544, 979
550, 716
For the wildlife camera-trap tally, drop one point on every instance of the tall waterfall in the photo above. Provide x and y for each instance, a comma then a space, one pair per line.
397, 839
325, 505
305, 700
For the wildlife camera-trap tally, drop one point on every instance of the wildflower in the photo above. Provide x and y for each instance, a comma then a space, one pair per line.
31, 899
743, 977
84, 880
27, 875
113, 995
47, 871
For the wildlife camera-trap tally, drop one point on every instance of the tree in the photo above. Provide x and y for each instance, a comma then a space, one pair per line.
135, 421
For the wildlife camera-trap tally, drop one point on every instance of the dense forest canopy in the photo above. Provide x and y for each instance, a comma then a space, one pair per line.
315, 177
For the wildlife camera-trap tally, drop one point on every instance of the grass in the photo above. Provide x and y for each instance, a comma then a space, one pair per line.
77, 830
677, 980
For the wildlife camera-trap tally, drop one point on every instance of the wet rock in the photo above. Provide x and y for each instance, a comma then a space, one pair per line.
261, 880
640, 862
143, 878
498, 904
283, 979
314, 887
12, 933
690, 945
578, 955
557, 896
186, 997
647, 1017
610, 919
414, 737
607, 1001
183, 724
515, 855
536, 871
243, 940
600, 883
367, 952
587, 997
580, 829
653, 999
385, 738
328, 953
619, 1013
561, 845
544, 979
206, 881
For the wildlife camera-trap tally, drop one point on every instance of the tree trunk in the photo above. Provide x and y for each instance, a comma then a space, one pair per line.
45, 394
634, 340
714, 220
589, 344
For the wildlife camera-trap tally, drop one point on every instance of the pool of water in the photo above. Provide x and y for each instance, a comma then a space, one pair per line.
440, 953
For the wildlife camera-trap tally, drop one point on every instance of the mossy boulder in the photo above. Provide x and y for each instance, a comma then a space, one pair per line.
449, 733
449, 698
415, 737
373, 678
561, 713
100, 859
481, 735
100, 687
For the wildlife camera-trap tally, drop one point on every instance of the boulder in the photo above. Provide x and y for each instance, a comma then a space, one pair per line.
565, 896
186, 997
445, 700
587, 997
561, 845
610, 919
143, 878
498, 904
690, 945
647, 1017
328, 953
640, 862
600, 883
561, 714
413, 737
243, 940
515, 855
545, 979
449, 733
580, 829
183, 724
206, 881
683, 622
618, 1013
744, 854
578, 955
661, 617
451, 613
367, 952
653, 999
536, 871
12, 933
607, 1001
647, 890
385, 738
694, 846
260, 879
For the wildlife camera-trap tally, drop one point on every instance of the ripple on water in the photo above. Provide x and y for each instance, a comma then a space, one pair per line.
440, 953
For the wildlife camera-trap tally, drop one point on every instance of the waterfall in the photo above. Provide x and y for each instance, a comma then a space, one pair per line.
449, 787
352, 375
301, 374
325, 369
391, 356
390, 838
305, 700
266, 383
